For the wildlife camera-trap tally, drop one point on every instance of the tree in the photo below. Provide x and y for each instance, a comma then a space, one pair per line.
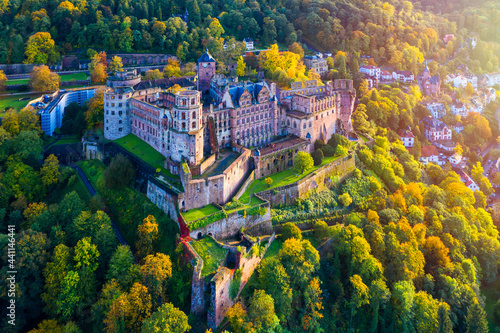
120, 172
42, 79
95, 111
236, 315
241, 67
50, 171
98, 74
172, 68
290, 230
269, 181
297, 49
167, 319
115, 65
215, 28
321, 230
274, 279
10, 122
317, 156
345, 199
303, 162
469, 89
261, 312
3, 80
269, 33
153, 74
122, 267
41, 49
140, 305
29, 119
313, 303
148, 234
476, 319
157, 269
341, 151
360, 294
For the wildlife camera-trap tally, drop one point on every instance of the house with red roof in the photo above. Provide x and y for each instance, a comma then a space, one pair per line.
403, 76
407, 138
429, 154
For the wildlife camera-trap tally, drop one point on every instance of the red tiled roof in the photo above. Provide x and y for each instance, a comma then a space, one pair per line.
428, 151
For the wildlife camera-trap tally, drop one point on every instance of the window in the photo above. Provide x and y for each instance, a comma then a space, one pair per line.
194, 114
107, 111
120, 104
119, 129
120, 113
119, 121
112, 113
183, 116
193, 125
107, 129
112, 104
183, 126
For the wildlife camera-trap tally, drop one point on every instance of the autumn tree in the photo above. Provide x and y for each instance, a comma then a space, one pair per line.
115, 65
269, 181
148, 234
41, 49
303, 162
10, 122
122, 267
157, 269
172, 68
50, 170
240, 67
42, 79
345, 199
95, 111
469, 89
290, 230
153, 74
29, 119
166, 319
120, 172
3, 80
297, 49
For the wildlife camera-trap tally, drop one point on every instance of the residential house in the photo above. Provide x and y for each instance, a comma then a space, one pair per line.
248, 43
457, 80
437, 109
458, 127
429, 154
403, 76
455, 159
386, 76
467, 180
407, 138
320, 65
492, 79
448, 38
430, 85
435, 129
459, 108
371, 82
472, 79
369, 70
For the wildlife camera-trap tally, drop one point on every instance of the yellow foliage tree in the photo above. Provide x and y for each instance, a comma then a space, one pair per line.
34, 209
240, 67
148, 234
40, 49
42, 79
28, 119
50, 170
10, 122
3, 80
172, 68
116, 65
98, 74
95, 112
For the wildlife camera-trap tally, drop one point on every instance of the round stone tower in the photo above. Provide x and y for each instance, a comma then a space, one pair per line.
187, 127
116, 112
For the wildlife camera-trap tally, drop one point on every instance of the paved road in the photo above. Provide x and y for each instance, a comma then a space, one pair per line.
92, 191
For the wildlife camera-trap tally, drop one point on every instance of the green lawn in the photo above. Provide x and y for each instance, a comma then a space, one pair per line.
93, 169
7, 101
492, 293
145, 152
67, 140
283, 178
211, 253
198, 213
64, 78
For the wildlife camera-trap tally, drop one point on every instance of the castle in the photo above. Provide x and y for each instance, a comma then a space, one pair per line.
193, 125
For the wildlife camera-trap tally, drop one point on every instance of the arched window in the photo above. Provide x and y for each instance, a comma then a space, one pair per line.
194, 114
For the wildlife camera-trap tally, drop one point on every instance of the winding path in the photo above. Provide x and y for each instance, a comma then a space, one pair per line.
92, 192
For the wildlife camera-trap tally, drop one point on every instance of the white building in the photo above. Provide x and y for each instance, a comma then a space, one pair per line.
492, 79
457, 80
459, 108
248, 43
407, 138
386, 76
372, 71
429, 154
435, 129
437, 109
403, 76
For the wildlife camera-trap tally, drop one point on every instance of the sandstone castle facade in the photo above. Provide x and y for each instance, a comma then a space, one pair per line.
191, 124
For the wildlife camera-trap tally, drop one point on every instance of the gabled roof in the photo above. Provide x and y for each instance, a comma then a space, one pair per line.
405, 134
253, 88
248, 39
432, 122
428, 151
206, 57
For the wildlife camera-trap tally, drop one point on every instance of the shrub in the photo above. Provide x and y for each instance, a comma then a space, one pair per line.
207, 220
303, 161
345, 199
268, 181
318, 144
234, 287
317, 156
328, 151
341, 151
290, 230
321, 230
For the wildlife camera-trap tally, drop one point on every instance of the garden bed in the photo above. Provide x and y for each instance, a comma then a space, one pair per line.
211, 253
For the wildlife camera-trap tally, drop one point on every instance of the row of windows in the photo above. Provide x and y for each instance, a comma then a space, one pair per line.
119, 129
253, 109
256, 118
113, 112
113, 104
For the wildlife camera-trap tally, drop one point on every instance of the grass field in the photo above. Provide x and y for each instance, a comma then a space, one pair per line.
14, 102
283, 178
64, 78
68, 140
145, 152
492, 293
211, 253
198, 213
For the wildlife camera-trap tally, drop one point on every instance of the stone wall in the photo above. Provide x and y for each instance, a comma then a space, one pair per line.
163, 197
318, 180
199, 169
244, 186
197, 282
216, 189
231, 225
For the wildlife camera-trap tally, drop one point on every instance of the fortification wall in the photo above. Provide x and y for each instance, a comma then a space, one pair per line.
318, 180
231, 225
163, 198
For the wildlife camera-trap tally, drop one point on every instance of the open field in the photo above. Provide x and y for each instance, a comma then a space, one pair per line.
64, 78
14, 102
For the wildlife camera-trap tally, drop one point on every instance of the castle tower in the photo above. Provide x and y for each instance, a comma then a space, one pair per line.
347, 93
206, 69
116, 104
187, 127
